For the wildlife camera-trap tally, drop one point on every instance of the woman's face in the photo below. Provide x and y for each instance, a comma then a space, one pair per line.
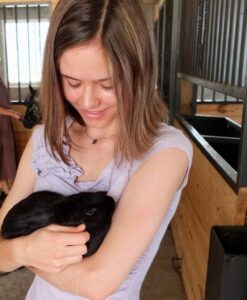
87, 84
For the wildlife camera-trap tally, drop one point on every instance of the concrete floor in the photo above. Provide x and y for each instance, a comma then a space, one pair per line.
162, 281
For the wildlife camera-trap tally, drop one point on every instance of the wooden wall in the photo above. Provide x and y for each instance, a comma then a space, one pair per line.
233, 111
206, 201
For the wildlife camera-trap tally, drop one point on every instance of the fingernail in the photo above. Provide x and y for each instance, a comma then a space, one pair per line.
82, 226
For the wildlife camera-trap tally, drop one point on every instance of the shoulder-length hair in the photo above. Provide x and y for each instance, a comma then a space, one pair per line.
127, 38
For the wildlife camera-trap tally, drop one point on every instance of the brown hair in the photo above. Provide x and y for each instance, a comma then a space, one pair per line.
128, 41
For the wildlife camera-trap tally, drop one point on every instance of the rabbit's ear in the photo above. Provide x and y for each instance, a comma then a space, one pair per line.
32, 90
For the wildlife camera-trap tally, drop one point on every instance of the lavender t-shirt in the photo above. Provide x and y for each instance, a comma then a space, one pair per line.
55, 175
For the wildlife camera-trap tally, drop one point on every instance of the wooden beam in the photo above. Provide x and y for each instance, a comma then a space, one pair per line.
186, 97
233, 111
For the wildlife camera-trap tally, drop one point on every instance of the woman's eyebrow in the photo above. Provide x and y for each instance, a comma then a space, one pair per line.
73, 78
105, 79
69, 77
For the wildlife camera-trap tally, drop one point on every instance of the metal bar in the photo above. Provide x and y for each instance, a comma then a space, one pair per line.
231, 44
216, 44
193, 44
163, 51
191, 53
198, 33
185, 29
182, 36
187, 34
157, 41
160, 51
174, 94
202, 94
213, 100
28, 47
243, 48
194, 97
208, 43
226, 41
217, 40
221, 48
17, 50
202, 35
230, 90
205, 35
5, 44
167, 53
212, 41
189, 48
199, 39
39, 21
237, 44
242, 162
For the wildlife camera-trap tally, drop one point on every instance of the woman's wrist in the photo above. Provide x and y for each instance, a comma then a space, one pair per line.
9, 260
18, 249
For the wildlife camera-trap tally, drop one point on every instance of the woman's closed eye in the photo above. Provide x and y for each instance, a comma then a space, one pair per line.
106, 88
73, 85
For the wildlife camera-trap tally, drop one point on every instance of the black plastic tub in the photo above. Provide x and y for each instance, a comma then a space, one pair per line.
215, 126
228, 148
227, 264
219, 139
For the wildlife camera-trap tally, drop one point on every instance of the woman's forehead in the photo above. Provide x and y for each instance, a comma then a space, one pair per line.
88, 60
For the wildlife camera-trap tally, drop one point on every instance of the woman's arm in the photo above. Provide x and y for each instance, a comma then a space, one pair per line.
10, 113
52, 248
22, 187
136, 220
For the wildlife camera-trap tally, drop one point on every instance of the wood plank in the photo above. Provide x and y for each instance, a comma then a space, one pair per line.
241, 212
22, 134
192, 274
186, 91
212, 197
233, 111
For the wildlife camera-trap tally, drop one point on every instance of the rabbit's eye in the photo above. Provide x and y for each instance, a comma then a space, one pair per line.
91, 211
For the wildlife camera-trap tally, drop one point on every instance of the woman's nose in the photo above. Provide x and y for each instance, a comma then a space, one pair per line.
88, 97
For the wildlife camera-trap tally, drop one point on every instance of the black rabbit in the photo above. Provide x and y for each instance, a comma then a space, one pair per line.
32, 115
43, 208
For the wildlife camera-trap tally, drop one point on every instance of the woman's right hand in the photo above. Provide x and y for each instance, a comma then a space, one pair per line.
53, 248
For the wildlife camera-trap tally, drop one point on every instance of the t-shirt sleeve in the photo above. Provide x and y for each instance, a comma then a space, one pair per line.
168, 137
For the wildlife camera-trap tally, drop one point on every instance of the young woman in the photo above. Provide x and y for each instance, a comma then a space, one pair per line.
102, 131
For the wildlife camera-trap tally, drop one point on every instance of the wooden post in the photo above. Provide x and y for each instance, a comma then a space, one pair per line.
186, 96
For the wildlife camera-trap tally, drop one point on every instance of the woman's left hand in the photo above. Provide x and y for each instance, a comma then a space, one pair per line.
15, 114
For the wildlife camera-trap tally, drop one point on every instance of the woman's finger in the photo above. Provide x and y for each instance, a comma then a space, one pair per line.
54, 227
